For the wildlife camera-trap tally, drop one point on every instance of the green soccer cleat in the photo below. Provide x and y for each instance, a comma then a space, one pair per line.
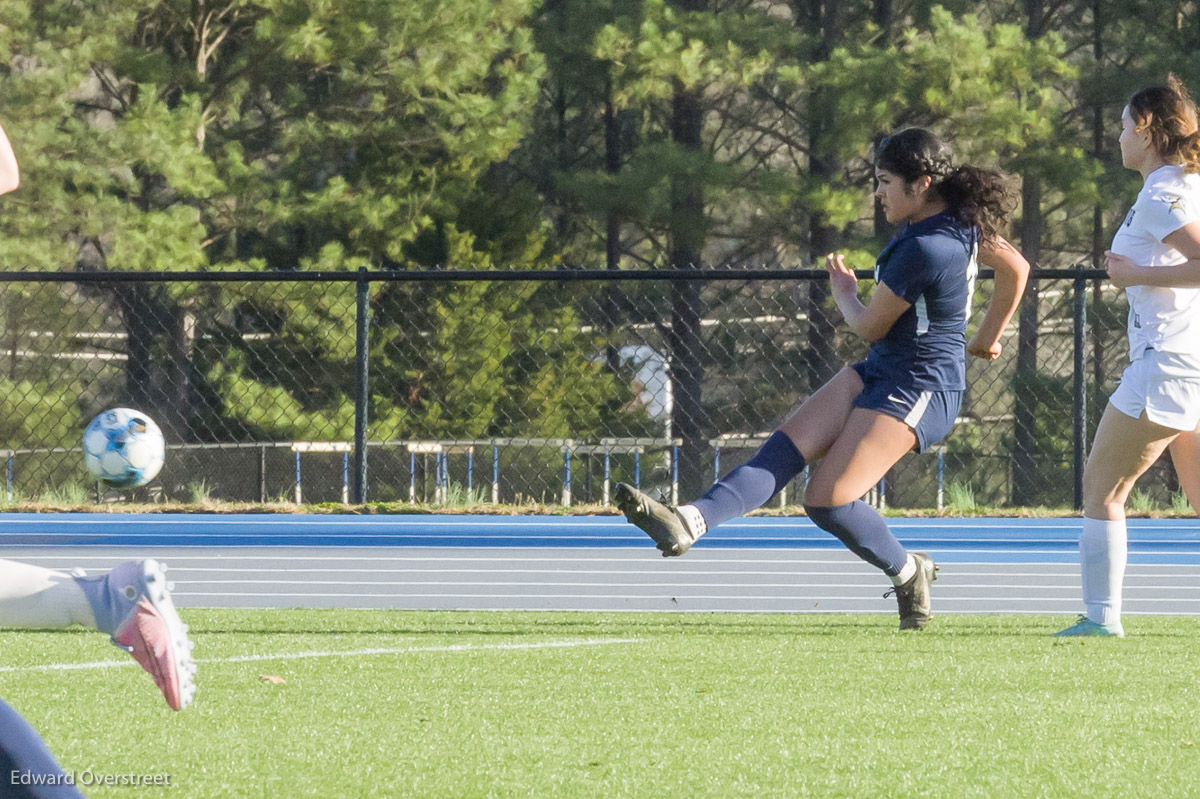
1085, 627
660, 521
913, 597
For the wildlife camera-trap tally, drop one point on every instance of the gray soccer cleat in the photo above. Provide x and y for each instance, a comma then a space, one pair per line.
660, 521
913, 596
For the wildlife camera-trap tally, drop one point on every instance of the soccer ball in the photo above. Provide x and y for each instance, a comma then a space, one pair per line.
123, 448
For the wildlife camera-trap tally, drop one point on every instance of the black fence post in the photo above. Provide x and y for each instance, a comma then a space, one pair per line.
1079, 384
362, 334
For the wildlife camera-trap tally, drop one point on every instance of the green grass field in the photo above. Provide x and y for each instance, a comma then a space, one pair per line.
645, 705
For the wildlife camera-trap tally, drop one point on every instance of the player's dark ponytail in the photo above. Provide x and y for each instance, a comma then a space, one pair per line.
975, 196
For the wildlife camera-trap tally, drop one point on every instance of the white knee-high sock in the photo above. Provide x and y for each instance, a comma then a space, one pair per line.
1103, 550
31, 596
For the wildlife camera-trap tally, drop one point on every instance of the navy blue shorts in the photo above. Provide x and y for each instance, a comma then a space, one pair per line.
930, 414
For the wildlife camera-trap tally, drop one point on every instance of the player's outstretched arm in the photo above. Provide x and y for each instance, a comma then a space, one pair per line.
1012, 272
10, 175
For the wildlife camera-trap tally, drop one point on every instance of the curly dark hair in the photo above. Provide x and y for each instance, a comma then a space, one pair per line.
975, 196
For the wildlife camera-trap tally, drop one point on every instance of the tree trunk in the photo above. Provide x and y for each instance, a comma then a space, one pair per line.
820, 355
1098, 245
612, 229
1025, 477
139, 312
561, 215
686, 245
1025, 401
881, 13
183, 378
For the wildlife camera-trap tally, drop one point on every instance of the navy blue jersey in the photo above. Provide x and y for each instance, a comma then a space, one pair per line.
932, 265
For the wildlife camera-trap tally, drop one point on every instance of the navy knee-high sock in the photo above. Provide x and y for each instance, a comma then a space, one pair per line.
864, 532
753, 483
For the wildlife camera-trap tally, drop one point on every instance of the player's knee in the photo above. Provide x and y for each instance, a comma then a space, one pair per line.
811, 445
817, 495
1104, 508
821, 492
822, 515
1101, 498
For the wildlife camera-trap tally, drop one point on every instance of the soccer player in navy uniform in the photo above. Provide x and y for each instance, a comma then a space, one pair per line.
1155, 257
906, 394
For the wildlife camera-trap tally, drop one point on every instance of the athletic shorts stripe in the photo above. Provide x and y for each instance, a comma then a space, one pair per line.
918, 410
929, 413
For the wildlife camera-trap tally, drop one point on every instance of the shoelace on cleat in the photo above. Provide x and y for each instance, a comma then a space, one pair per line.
904, 599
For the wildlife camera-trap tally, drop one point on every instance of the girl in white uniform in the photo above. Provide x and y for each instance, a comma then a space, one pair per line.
1155, 257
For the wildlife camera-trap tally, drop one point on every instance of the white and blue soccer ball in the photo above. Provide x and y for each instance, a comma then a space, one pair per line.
123, 448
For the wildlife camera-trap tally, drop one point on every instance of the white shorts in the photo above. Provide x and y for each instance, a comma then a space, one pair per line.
1166, 385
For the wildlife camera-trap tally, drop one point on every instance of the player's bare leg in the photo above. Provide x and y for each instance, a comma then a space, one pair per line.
818, 421
1124, 448
32, 596
1185, 455
131, 603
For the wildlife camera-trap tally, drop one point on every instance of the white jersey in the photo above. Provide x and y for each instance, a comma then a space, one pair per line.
1163, 319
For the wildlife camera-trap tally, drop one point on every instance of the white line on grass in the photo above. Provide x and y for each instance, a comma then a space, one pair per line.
105, 664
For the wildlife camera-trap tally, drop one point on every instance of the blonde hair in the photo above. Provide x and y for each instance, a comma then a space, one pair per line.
1168, 116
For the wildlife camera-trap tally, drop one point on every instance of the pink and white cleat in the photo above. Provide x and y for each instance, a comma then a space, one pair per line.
133, 604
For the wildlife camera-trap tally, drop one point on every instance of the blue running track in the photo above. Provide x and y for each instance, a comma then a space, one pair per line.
599, 563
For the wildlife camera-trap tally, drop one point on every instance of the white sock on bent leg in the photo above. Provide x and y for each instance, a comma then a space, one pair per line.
31, 596
1103, 551
906, 572
695, 521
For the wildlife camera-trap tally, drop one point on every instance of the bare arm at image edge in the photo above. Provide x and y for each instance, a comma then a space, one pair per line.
1012, 272
10, 175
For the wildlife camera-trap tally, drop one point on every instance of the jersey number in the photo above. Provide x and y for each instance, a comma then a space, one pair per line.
972, 274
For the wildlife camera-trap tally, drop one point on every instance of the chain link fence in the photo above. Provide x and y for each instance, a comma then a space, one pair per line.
471, 388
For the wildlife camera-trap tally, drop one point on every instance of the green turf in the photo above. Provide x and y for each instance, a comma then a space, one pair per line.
696, 705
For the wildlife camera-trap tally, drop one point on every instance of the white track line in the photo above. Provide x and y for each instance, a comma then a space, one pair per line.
1145, 571
656, 593
934, 548
105, 664
715, 556
942, 584
176, 570
797, 540
427, 521
422, 520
